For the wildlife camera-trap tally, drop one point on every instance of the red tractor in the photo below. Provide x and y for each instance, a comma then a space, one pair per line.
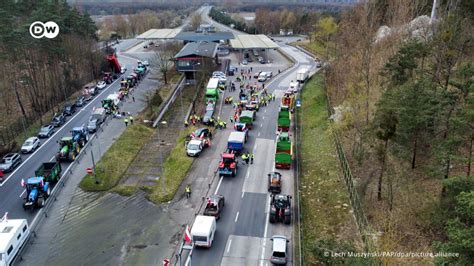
107, 77
228, 164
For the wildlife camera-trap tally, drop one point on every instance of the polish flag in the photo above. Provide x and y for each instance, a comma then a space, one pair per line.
166, 262
23, 184
187, 235
5, 217
42, 183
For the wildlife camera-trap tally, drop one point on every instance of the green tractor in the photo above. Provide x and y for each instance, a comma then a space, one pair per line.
69, 149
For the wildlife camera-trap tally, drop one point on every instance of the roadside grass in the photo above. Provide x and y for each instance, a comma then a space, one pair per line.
114, 163
327, 223
176, 167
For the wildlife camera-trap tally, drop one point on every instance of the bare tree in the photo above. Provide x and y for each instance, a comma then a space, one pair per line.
195, 21
163, 59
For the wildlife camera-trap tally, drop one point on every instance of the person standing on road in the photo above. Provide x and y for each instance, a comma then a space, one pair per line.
252, 155
126, 122
245, 158
251, 69
187, 190
133, 98
131, 120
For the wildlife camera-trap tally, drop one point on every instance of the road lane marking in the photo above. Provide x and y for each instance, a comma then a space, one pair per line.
258, 134
247, 175
261, 125
262, 255
265, 111
56, 132
243, 192
228, 247
263, 117
218, 185
52, 158
237, 217
21, 195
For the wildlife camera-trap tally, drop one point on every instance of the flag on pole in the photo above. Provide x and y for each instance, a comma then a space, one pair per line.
5, 217
187, 235
166, 262
23, 184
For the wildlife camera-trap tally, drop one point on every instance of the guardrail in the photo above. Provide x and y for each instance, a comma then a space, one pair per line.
170, 100
43, 212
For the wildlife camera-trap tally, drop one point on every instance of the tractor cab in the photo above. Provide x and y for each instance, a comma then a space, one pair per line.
274, 182
107, 77
36, 192
79, 135
228, 164
241, 127
280, 208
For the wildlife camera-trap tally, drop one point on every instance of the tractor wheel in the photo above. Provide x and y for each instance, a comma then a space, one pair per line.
272, 218
48, 192
72, 157
41, 202
234, 173
287, 219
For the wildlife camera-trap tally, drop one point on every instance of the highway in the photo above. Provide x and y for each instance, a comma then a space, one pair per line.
243, 233
11, 192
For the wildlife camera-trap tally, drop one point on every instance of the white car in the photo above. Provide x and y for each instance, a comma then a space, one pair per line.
218, 73
30, 145
146, 63
101, 84
123, 70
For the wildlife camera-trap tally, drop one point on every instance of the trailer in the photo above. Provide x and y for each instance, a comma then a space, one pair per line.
14, 233
50, 171
236, 141
203, 231
302, 75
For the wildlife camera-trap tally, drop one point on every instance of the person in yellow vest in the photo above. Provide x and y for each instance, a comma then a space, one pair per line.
126, 122
131, 120
187, 190
245, 158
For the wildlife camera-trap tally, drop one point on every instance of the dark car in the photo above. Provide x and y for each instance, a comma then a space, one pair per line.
207, 117
81, 100
58, 120
93, 125
214, 205
9, 162
46, 131
69, 109
202, 133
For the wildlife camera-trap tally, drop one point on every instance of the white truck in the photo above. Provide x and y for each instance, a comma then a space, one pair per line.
302, 75
203, 231
13, 235
294, 86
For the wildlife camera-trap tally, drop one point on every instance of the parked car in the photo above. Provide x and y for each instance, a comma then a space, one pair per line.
69, 109
262, 77
269, 74
46, 131
245, 62
261, 60
279, 249
123, 70
9, 162
101, 84
81, 100
31, 144
93, 90
58, 120
93, 125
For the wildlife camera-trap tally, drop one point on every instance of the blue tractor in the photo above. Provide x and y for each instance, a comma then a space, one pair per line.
80, 135
37, 191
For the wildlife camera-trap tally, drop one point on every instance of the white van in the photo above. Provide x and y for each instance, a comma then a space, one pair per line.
203, 231
13, 234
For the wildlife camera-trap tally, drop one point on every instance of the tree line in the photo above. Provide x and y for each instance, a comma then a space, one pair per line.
130, 25
406, 95
38, 74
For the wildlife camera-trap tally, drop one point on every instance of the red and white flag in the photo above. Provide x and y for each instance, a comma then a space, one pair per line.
23, 184
166, 262
42, 182
187, 235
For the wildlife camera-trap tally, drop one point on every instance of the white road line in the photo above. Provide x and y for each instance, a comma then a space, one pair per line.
262, 255
228, 247
247, 175
263, 117
21, 195
265, 111
261, 125
258, 134
237, 217
52, 158
56, 132
218, 185
243, 193
255, 147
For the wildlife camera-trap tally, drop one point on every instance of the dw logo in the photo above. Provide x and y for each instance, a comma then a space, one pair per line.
39, 29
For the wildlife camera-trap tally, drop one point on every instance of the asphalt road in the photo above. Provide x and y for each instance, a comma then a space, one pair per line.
11, 192
243, 233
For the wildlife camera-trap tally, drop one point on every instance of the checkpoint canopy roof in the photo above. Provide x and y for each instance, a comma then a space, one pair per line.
158, 34
247, 41
193, 49
191, 36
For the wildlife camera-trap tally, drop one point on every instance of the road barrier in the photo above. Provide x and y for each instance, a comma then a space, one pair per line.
170, 100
